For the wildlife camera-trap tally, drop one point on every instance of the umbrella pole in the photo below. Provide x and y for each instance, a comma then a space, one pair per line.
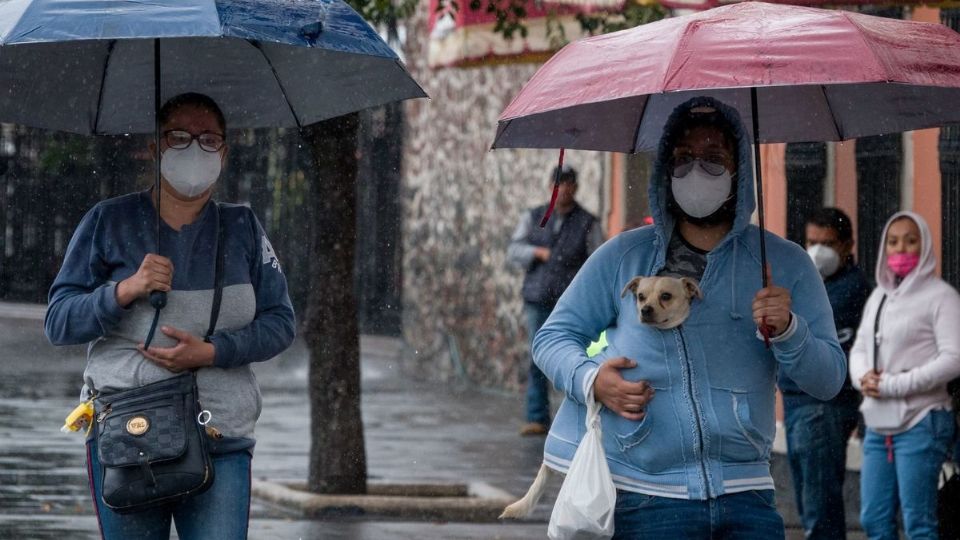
156, 129
158, 299
765, 330
759, 179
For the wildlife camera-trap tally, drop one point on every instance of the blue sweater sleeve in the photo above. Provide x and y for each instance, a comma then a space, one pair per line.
587, 307
273, 327
811, 357
82, 305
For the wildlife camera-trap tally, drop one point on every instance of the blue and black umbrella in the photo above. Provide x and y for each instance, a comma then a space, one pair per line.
94, 66
105, 66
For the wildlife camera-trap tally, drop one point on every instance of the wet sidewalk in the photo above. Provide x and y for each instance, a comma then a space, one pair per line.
416, 431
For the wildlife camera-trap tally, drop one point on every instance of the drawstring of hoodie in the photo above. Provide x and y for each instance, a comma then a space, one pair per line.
888, 443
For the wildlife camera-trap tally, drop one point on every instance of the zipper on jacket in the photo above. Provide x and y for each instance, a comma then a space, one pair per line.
696, 412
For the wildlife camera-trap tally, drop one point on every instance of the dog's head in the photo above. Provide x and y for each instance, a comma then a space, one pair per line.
663, 302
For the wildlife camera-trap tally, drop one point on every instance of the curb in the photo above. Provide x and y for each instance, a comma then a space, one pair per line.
24, 311
475, 502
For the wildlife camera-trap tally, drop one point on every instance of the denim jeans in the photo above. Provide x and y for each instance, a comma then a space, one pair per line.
817, 434
220, 513
538, 387
748, 515
904, 475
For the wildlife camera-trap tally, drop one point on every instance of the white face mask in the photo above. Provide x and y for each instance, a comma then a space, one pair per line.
190, 171
699, 193
826, 259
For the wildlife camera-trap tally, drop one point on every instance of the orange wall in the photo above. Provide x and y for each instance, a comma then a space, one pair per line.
926, 183
845, 175
615, 212
774, 187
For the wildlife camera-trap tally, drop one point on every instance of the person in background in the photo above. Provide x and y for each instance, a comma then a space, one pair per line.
906, 351
551, 257
818, 431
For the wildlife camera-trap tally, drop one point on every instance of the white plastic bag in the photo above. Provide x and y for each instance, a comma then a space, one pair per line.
585, 505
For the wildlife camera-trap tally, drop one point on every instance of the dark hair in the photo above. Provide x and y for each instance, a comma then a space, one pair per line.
567, 174
703, 116
833, 218
192, 99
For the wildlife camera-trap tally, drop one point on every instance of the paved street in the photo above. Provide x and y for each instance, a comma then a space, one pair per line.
416, 431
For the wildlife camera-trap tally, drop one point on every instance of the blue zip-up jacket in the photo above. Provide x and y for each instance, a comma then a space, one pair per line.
709, 428
256, 319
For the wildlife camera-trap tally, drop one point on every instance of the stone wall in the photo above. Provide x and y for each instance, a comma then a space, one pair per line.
462, 313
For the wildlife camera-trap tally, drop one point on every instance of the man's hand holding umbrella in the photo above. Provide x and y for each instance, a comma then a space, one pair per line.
771, 307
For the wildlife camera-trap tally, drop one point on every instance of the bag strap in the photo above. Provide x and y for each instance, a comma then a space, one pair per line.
217, 284
217, 276
876, 332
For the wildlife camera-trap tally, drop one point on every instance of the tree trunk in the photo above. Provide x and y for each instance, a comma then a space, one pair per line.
338, 461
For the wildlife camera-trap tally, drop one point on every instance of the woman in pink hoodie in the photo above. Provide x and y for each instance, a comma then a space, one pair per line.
907, 349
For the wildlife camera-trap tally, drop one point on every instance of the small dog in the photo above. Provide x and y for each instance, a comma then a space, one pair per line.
662, 302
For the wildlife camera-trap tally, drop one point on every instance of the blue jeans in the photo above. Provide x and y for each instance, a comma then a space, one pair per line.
817, 434
905, 475
538, 387
748, 515
220, 513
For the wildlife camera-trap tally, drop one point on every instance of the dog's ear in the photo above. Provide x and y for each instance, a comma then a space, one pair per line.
631, 286
692, 288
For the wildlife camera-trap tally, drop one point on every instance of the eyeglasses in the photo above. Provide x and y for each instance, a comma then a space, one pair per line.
179, 139
712, 164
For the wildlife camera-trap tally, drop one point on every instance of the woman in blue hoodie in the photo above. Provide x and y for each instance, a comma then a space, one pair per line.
688, 418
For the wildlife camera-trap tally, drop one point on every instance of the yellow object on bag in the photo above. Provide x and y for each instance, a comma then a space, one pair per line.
79, 418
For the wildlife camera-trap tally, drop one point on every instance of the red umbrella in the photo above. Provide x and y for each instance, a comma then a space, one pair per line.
794, 74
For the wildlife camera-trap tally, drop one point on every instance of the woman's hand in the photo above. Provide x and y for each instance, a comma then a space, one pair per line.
628, 399
870, 384
155, 274
191, 352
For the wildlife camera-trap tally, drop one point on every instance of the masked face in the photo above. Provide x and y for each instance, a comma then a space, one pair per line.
700, 193
903, 263
701, 171
190, 171
825, 258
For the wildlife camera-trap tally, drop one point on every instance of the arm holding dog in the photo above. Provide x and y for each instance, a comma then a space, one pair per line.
626, 398
587, 307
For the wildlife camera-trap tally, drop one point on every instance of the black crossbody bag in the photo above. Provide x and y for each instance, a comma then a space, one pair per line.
151, 440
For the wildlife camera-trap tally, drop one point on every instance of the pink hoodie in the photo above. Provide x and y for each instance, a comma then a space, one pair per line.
919, 334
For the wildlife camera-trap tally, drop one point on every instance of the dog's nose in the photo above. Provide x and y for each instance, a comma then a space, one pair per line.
646, 311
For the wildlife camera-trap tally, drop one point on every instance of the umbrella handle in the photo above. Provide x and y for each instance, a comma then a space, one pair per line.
556, 189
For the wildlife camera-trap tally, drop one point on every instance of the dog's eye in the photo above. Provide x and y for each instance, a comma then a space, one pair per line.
666, 297
641, 297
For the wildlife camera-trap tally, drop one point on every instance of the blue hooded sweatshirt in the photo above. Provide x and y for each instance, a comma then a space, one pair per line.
256, 319
709, 428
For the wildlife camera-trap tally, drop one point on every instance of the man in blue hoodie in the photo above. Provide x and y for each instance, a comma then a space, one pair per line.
817, 431
688, 418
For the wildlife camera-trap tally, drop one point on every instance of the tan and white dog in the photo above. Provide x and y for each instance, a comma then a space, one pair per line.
662, 302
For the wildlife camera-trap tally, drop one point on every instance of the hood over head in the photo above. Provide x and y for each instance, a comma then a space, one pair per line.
926, 268
659, 192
